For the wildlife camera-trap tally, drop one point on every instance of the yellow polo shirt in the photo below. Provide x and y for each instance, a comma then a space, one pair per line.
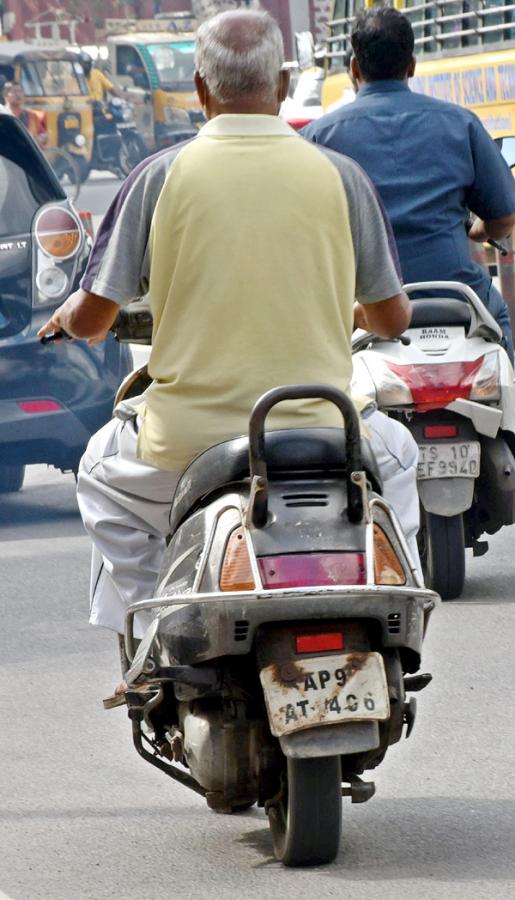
252, 263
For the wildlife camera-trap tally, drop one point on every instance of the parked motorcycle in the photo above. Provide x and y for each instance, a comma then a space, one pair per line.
449, 380
288, 623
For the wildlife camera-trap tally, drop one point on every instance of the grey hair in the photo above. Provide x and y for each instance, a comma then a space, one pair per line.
233, 67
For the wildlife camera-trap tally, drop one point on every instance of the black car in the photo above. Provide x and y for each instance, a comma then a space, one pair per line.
52, 397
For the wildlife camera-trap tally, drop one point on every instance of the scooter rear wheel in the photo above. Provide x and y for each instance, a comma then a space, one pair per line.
305, 817
442, 553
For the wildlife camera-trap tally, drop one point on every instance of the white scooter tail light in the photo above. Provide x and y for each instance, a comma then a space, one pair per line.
58, 233
432, 386
486, 387
391, 388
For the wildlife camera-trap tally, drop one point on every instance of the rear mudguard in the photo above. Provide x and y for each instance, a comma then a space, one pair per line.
446, 496
333, 740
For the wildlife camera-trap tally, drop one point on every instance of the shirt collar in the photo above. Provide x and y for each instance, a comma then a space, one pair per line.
388, 86
246, 125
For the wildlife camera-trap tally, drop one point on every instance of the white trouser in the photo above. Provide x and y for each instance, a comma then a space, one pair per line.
125, 507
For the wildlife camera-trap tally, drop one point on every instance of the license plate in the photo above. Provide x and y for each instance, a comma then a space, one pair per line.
304, 693
449, 460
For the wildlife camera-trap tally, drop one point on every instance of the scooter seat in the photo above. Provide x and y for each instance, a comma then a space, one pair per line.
301, 451
439, 311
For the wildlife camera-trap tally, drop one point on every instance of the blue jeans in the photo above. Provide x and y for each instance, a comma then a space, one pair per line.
498, 309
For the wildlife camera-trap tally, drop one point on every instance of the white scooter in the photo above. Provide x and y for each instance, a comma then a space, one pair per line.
449, 380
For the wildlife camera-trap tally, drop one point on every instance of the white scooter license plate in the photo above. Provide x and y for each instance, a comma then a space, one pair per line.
459, 460
304, 693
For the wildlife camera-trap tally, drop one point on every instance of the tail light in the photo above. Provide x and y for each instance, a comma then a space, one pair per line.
391, 389
387, 566
291, 570
312, 569
58, 233
436, 385
52, 282
236, 574
486, 386
288, 570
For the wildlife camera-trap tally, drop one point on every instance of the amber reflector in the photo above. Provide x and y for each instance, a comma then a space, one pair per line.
387, 568
58, 233
236, 574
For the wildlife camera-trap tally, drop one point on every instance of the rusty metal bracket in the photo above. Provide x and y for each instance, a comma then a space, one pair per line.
360, 480
258, 495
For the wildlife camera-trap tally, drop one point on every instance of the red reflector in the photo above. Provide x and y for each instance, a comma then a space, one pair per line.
312, 569
38, 406
314, 643
440, 431
437, 385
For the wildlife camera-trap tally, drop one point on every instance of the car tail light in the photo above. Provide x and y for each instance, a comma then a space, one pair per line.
312, 569
236, 574
387, 567
58, 233
38, 406
440, 431
319, 643
432, 386
52, 282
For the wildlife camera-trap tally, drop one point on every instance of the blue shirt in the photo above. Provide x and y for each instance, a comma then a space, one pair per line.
431, 161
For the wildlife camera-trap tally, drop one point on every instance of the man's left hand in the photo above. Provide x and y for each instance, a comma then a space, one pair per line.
84, 316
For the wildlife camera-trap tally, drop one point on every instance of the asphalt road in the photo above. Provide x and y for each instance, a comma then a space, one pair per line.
82, 817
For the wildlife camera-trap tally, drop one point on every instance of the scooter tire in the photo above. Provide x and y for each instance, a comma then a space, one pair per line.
442, 548
305, 818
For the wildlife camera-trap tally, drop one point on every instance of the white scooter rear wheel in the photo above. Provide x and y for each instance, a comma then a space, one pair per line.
442, 553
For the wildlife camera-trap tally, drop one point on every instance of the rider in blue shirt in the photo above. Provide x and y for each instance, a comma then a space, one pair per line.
431, 161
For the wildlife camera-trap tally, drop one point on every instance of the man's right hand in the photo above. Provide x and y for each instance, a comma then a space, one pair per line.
386, 318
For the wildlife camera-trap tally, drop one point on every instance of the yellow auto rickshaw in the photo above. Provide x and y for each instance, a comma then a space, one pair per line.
155, 65
53, 82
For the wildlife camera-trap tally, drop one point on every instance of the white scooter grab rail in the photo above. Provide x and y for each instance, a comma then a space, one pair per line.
481, 313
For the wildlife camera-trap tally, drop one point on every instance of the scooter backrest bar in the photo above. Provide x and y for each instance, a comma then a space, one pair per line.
257, 458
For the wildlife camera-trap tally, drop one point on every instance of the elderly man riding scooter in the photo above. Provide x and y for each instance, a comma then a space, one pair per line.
253, 245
